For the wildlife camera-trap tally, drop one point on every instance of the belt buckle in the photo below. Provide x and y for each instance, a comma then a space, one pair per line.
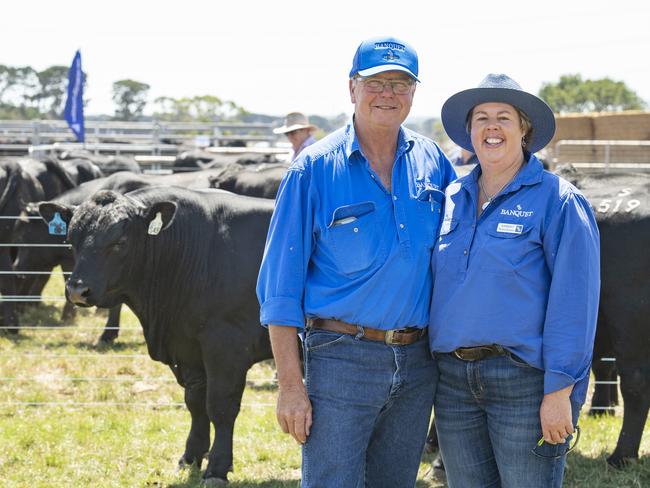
388, 338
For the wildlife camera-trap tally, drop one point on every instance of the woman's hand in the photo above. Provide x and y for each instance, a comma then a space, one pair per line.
555, 415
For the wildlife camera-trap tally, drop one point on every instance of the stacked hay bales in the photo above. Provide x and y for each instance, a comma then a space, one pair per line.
619, 127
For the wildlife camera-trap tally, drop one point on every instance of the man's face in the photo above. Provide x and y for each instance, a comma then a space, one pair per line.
297, 137
383, 109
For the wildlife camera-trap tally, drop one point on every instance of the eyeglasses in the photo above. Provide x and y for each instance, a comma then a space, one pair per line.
572, 445
377, 85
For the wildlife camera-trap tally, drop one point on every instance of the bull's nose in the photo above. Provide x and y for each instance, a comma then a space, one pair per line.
77, 292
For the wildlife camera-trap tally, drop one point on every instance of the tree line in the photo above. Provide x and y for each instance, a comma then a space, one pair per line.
26, 93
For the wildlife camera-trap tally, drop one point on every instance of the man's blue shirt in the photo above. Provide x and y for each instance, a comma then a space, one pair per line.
525, 275
341, 246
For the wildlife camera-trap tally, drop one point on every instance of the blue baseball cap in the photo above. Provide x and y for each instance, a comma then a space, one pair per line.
381, 54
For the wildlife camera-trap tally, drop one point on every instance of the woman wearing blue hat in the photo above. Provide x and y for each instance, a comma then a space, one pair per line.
515, 297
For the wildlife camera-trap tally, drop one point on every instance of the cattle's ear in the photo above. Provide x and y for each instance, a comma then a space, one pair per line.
159, 217
56, 216
30, 210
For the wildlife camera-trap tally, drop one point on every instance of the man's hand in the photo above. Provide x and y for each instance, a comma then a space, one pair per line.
294, 412
555, 415
294, 408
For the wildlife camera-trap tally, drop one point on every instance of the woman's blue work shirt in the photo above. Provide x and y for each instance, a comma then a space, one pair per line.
341, 246
524, 274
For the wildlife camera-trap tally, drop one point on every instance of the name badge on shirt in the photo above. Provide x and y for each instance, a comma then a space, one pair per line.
510, 228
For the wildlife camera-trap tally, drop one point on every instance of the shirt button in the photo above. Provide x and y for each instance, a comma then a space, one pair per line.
401, 226
394, 197
465, 252
372, 176
356, 229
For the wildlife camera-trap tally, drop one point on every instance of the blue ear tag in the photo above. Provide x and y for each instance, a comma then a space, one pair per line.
57, 226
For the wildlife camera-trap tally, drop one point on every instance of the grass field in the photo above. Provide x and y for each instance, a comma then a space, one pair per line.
74, 415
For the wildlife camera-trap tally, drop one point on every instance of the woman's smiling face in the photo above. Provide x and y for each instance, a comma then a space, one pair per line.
496, 133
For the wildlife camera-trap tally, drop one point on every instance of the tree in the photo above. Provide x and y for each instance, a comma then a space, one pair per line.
204, 108
53, 85
18, 87
130, 96
573, 94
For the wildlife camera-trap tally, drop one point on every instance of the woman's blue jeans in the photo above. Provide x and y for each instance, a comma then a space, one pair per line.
487, 417
371, 408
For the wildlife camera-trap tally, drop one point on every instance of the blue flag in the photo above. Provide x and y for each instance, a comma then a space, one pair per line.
74, 106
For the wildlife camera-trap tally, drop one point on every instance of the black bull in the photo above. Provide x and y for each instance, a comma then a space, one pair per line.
186, 263
30, 259
621, 203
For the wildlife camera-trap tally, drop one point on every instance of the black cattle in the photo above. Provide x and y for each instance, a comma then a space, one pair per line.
186, 263
621, 203
55, 177
44, 259
81, 170
28, 230
107, 164
197, 159
17, 188
52, 176
260, 182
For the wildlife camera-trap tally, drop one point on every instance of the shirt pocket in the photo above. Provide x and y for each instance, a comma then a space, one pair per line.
354, 237
428, 206
505, 247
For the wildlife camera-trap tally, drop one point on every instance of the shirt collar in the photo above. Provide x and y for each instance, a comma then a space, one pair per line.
405, 142
530, 174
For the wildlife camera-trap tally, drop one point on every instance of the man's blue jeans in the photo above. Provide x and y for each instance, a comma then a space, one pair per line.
371, 407
487, 417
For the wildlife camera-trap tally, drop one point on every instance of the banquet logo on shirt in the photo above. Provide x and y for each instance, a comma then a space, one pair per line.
421, 185
518, 212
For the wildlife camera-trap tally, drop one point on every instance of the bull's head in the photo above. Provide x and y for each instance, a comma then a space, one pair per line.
107, 234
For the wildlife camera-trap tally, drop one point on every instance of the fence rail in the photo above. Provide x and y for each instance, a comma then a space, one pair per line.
36, 132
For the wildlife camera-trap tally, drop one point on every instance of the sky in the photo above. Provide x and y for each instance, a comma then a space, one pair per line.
274, 57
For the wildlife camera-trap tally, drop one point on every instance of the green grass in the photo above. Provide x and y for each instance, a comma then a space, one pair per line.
137, 445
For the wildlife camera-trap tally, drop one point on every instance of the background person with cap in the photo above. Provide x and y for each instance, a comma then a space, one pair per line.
515, 297
348, 249
298, 130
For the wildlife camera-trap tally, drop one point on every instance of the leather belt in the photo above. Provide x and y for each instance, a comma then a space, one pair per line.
393, 337
479, 352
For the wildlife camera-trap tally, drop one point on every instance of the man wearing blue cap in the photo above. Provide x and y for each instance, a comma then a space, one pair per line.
347, 263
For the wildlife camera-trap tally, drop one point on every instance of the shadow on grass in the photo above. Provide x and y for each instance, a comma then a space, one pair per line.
194, 480
594, 472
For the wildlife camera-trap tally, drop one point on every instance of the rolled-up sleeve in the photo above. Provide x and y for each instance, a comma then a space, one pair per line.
572, 249
281, 280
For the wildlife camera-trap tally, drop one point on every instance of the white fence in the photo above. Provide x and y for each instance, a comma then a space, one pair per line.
17, 135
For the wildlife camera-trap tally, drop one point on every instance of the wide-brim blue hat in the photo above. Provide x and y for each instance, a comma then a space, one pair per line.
381, 54
503, 89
